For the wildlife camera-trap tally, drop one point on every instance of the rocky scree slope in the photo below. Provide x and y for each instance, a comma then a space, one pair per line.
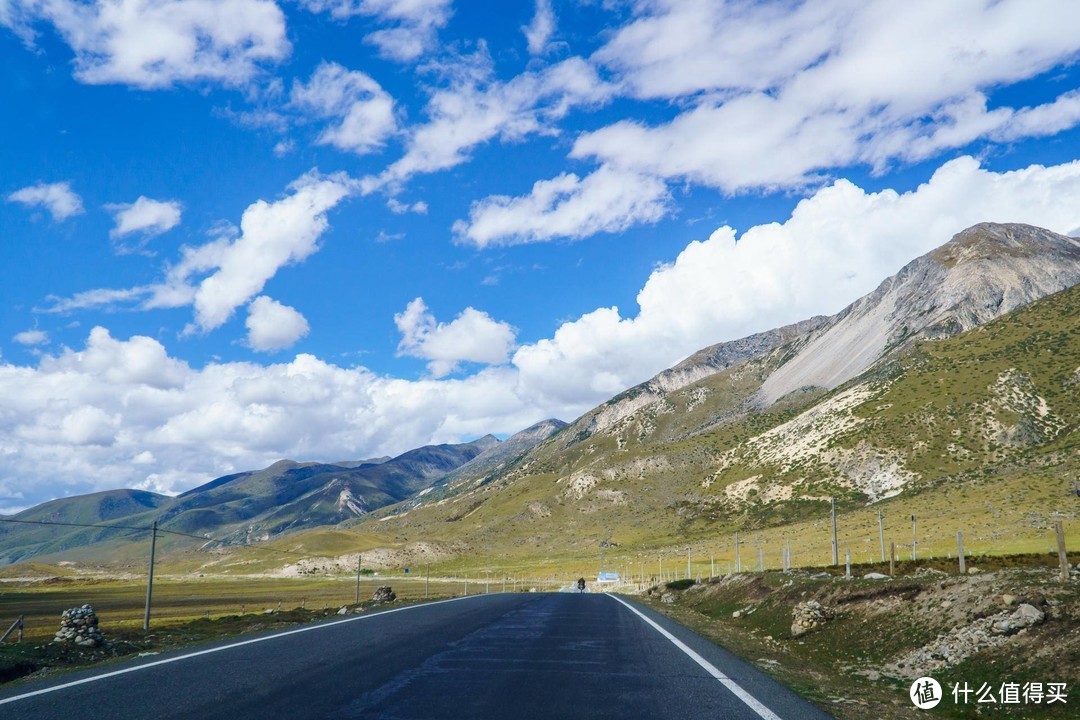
982, 273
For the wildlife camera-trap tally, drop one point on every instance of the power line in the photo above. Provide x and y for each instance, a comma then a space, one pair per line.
104, 527
205, 538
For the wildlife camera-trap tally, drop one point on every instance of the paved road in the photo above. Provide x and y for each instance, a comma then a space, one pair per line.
489, 656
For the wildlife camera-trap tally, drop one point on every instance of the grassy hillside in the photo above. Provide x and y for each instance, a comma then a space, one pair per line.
975, 433
116, 507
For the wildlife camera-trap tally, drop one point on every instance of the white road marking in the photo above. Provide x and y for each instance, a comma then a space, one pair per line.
727, 682
306, 628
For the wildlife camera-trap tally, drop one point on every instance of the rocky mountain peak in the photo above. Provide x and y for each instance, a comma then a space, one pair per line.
980, 274
994, 240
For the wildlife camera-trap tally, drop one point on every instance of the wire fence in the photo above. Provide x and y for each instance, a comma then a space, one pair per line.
865, 538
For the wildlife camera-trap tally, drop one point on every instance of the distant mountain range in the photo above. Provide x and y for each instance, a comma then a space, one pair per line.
257, 505
963, 366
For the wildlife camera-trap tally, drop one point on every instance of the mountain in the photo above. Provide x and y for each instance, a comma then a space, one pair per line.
242, 507
288, 495
982, 273
963, 367
22, 539
954, 387
492, 461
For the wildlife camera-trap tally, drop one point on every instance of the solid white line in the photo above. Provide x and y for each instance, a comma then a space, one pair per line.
727, 682
263, 638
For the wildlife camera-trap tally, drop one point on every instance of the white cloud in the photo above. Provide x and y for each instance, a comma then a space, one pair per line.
830, 83
607, 200
414, 24
76, 421
473, 336
88, 426
156, 44
839, 244
400, 208
272, 235
231, 269
32, 337
540, 30
1041, 120
475, 108
273, 326
149, 218
98, 297
283, 148
58, 198
363, 110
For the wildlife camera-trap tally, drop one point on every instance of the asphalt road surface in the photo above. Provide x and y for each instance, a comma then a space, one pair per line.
488, 656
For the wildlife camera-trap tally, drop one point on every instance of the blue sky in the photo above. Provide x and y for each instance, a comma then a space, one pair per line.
324, 229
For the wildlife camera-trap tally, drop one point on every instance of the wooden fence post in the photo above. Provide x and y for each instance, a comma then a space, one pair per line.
1063, 560
960, 552
892, 558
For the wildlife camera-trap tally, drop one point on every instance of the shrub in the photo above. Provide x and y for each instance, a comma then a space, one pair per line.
679, 584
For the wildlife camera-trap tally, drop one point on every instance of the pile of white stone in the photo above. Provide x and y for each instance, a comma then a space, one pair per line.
80, 626
809, 615
959, 644
383, 594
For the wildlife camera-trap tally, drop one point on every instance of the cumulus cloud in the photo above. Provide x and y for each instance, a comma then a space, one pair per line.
540, 30
80, 416
231, 269
124, 413
273, 326
363, 111
838, 245
32, 337
161, 43
475, 108
567, 206
473, 336
831, 84
58, 198
272, 235
145, 217
413, 24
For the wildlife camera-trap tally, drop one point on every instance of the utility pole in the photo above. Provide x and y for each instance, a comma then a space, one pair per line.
881, 533
1063, 559
738, 557
835, 549
661, 568
359, 558
688, 572
960, 552
150, 578
914, 539
487, 581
